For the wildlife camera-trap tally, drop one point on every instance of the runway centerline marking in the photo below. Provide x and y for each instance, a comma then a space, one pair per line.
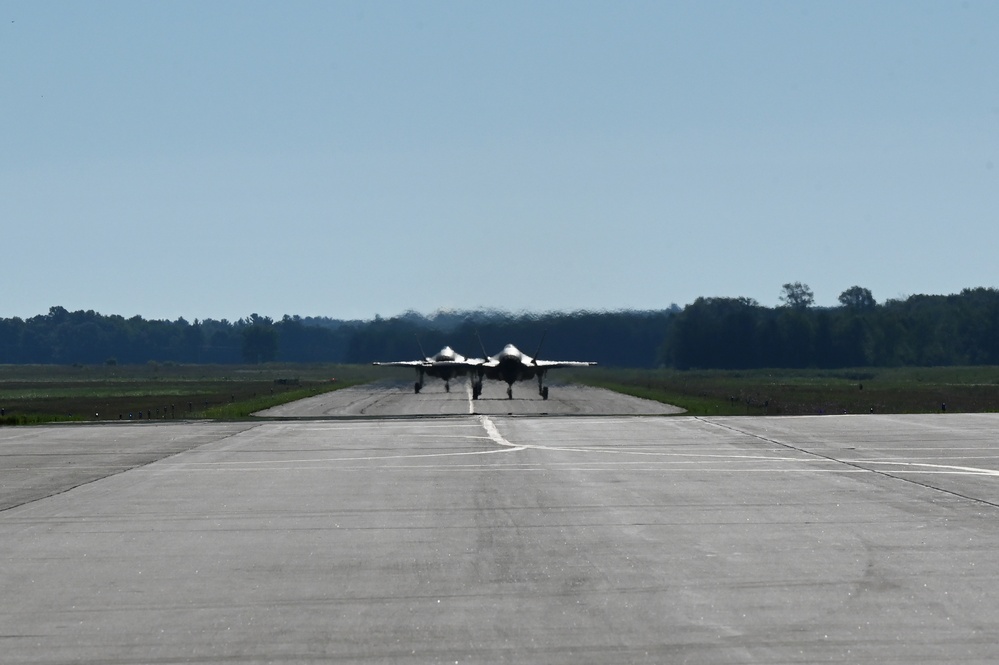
496, 437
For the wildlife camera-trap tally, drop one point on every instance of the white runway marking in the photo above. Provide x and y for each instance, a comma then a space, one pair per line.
491, 432
497, 438
652, 460
923, 467
942, 468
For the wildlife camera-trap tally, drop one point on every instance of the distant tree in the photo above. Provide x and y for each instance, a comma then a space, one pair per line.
57, 314
715, 333
857, 297
191, 341
797, 332
224, 343
797, 296
260, 340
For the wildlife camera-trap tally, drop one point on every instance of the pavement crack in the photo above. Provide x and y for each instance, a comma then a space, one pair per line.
850, 463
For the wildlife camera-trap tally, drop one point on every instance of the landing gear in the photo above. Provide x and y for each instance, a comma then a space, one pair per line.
542, 388
476, 389
416, 387
447, 386
509, 392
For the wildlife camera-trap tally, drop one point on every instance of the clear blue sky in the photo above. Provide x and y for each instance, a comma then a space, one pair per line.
346, 159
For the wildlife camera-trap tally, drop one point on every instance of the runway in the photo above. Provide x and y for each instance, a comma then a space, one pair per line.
394, 398
496, 538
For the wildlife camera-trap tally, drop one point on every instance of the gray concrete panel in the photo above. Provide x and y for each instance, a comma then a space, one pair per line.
36, 462
517, 539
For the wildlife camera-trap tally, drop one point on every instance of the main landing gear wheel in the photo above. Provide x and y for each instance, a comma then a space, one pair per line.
509, 392
476, 390
447, 387
542, 388
416, 387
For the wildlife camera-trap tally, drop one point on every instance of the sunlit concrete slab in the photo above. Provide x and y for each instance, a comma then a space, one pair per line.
517, 539
36, 462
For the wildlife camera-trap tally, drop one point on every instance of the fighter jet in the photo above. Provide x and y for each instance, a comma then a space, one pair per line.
511, 365
446, 364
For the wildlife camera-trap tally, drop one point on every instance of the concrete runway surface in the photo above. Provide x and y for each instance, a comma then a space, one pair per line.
491, 538
393, 398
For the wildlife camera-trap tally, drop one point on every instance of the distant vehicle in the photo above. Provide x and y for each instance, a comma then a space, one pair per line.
446, 364
512, 365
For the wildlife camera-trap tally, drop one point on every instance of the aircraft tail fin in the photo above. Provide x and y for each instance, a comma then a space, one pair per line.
485, 355
536, 353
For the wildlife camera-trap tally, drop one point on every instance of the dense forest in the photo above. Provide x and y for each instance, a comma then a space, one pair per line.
724, 333
626, 339
921, 330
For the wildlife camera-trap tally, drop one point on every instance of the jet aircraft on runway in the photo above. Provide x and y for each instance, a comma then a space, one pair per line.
446, 364
511, 365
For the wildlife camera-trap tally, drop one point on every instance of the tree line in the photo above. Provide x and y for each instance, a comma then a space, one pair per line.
628, 339
710, 333
921, 330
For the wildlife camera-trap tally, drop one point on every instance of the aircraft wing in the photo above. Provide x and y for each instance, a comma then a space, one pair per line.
468, 362
543, 364
555, 364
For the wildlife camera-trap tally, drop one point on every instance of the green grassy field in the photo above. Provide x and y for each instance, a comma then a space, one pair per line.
804, 392
49, 393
